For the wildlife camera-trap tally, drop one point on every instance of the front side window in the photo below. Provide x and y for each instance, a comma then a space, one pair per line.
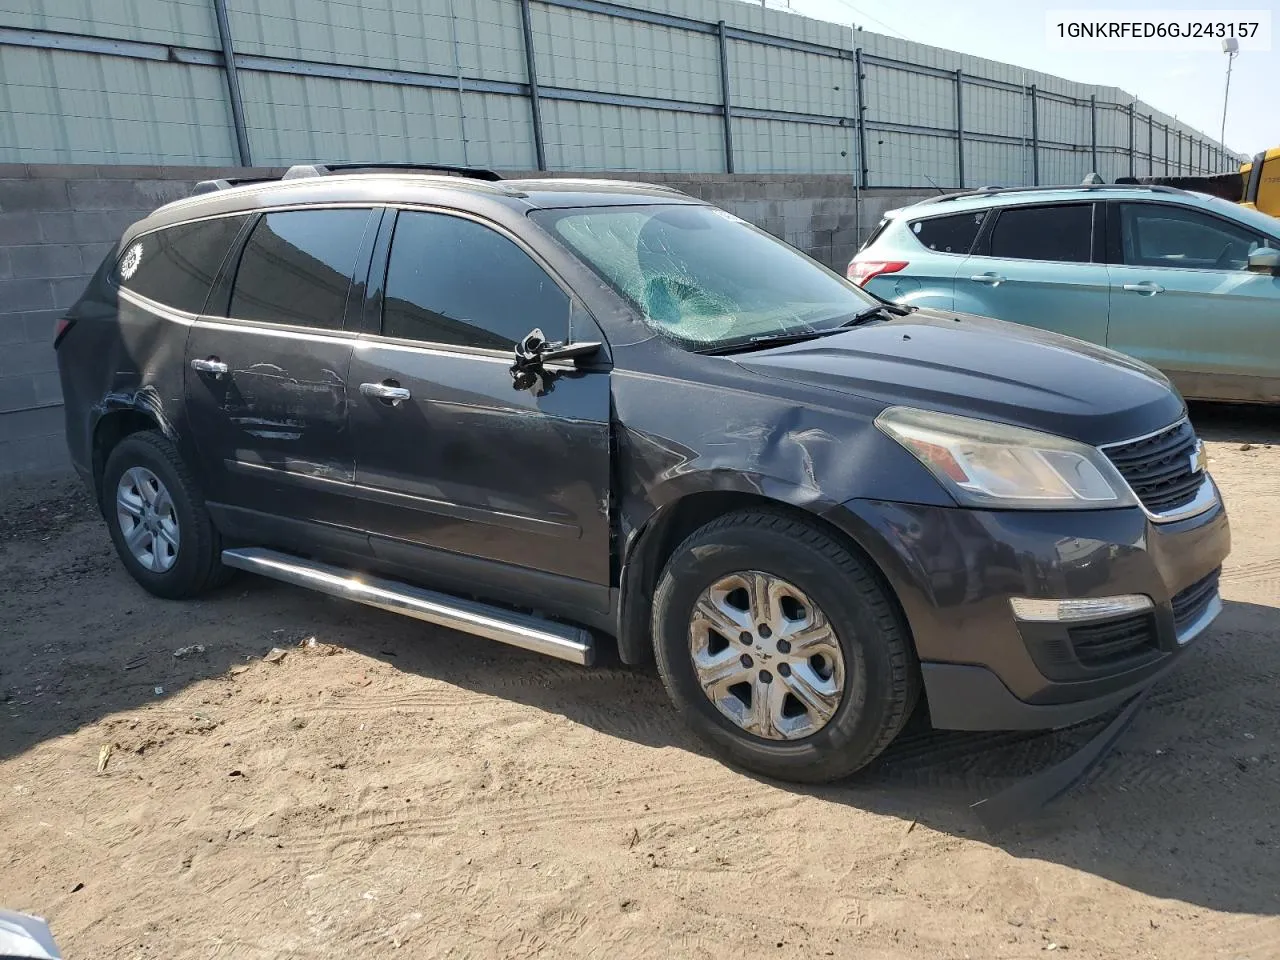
703, 277
1167, 235
296, 267
177, 266
1062, 232
457, 282
953, 234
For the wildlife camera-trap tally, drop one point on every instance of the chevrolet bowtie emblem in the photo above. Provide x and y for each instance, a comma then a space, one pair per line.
1199, 460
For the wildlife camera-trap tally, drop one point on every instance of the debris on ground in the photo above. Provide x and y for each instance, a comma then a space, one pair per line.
159, 691
276, 655
104, 755
1246, 446
317, 648
194, 650
136, 662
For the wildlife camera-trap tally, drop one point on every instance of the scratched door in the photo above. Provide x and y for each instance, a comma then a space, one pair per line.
266, 384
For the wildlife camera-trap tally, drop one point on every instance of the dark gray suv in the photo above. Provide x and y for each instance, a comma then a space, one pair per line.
550, 411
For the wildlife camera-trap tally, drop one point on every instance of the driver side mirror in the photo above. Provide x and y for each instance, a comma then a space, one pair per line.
1265, 260
534, 351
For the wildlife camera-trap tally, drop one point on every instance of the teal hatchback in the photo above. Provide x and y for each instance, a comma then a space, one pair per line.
1187, 283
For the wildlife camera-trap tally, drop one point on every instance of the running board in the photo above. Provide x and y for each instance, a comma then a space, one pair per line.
466, 616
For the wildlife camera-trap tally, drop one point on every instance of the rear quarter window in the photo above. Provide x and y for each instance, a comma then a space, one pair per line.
176, 266
950, 234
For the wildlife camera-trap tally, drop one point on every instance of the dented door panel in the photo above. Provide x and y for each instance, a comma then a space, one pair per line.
272, 430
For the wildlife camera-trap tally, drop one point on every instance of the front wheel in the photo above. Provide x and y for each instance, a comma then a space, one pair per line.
781, 647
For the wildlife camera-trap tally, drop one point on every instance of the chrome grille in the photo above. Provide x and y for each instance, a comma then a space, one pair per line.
1161, 468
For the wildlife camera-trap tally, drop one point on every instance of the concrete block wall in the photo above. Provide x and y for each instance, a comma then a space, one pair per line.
58, 222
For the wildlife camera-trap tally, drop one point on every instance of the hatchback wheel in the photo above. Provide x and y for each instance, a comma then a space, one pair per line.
158, 520
782, 648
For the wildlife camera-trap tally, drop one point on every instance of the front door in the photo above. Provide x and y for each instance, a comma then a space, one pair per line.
467, 479
1183, 300
266, 378
1038, 265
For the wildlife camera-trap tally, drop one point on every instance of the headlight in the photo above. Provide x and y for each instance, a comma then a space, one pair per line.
987, 464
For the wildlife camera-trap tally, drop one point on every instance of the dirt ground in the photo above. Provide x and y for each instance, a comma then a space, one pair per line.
410, 792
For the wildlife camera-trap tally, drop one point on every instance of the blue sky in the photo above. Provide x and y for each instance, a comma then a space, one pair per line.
1189, 85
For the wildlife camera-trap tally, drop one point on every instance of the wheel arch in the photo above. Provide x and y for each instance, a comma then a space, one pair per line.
119, 417
667, 527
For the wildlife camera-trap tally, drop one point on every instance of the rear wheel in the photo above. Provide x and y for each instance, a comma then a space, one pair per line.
782, 648
157, 518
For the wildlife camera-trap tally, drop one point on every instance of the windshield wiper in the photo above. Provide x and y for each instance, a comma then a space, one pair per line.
885, 311
767, 340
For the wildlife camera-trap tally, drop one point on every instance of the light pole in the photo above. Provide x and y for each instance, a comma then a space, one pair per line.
1231, 47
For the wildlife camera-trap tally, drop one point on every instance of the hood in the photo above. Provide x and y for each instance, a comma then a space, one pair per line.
978, 367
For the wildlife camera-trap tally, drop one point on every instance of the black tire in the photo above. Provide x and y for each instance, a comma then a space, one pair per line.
881, 675
198, 565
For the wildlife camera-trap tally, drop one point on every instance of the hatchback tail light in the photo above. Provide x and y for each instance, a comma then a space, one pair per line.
60, 331
860, 271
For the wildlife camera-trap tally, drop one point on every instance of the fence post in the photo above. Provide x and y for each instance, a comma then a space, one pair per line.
1151, 145
1166, 149
859, 79
1035, 139
1133, 136
531, 68
724, 97
1093, 131
960, 126
233, 83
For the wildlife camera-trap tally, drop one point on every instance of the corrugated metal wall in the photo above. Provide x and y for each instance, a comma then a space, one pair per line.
622, 88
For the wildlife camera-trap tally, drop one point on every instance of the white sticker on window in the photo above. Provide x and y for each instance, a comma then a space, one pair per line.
129, 264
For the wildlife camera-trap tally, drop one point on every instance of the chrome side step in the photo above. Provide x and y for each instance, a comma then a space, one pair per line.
466, 616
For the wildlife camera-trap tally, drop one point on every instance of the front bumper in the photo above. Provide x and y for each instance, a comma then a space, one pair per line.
955, 571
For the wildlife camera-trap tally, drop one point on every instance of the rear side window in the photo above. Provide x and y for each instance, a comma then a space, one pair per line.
1062, 232
953, 234
177, 266
454, 281
296, 267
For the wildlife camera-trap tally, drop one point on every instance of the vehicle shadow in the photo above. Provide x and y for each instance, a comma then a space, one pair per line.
1236, 422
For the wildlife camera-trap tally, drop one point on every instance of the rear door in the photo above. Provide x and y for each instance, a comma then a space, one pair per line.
266, 378
1041, 265
1183, 300
467, 480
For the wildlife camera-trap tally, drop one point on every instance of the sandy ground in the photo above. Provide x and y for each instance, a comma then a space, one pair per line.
409, 792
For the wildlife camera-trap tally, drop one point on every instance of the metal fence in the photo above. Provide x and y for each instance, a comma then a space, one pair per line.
556, 85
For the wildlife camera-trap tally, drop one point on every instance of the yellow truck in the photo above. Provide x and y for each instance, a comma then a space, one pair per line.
1257, 185
1261, 177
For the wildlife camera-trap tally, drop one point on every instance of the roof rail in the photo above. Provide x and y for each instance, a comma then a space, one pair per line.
1085, 187
301, 170
226, 183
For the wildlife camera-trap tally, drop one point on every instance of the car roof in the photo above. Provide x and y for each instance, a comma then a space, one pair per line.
1008, 196
1151, 193
220, 197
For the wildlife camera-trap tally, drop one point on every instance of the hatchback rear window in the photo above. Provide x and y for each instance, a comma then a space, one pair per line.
176, 266
953, 234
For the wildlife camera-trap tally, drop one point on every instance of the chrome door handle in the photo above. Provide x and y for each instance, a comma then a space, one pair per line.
992, 278
213, 365
392, 393
1146, 287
